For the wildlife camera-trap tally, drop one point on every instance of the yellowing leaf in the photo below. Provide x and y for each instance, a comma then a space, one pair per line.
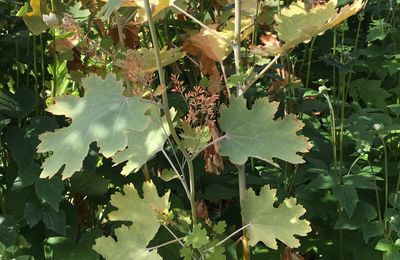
142, 212
296, 25
268, 223
255, 133
167, 57
216, 48
131, 244
143, 145
34, 19
112, 5
103, 116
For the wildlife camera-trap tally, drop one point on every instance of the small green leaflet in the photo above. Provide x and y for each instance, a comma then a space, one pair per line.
103, 116
143, 145
255, 133
197, 238
269, 223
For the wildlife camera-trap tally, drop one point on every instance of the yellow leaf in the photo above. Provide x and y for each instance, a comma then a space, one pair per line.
167, 57
215, 48
296, 25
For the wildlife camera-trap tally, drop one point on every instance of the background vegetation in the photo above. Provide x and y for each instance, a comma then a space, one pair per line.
343, 85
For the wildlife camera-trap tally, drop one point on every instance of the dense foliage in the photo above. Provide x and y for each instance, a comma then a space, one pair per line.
192, 129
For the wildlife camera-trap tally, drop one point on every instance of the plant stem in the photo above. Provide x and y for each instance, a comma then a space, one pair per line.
225, 239
165, 244
208, 145
333, 134
239, 91
35, 77
166, 108
310, 51
261, 73
173, 234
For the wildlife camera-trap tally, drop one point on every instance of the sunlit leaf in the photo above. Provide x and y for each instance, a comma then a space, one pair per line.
296, 25
255, 133
103, 116
131, 244
167, 57
268, 223
142, 212
143, 145
215, 48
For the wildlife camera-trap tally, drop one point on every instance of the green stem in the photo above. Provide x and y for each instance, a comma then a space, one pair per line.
35, 76
333, 134
168, 118
310, 52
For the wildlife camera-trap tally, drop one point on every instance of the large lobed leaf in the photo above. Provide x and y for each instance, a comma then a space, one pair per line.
103, 116
131, 244
255, 133
143, 212
268, 223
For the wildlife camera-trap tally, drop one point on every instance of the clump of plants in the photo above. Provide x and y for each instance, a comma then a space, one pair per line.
200, 130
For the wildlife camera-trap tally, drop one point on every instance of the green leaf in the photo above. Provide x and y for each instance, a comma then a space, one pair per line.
168, 175
167, 57
254, 133
197, 238
392, 250
103, 116
50, 190
8, 230
34, 212
373, 229
194, 139
220, 227
217, 192
34, 19
268, 223
142, 212
65, 249
370, 92
89, 183
347, 197
143, 145
131, 244
217, 253
186, 253
17, 105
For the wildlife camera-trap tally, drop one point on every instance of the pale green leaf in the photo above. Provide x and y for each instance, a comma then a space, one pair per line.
216, 253
131, 244
268, 223
34, 19
220, 227
197, 238
143, 145
103, 116
168, 56
142, 212
254, 133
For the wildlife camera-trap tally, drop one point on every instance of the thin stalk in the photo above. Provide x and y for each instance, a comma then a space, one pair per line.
180, 176
35, 71
260, 74
17, 60
208, 145
225, 239
386, 172
173, 234
164, 244
333, 134
146, 173
240, 90
166, 108
310, 52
